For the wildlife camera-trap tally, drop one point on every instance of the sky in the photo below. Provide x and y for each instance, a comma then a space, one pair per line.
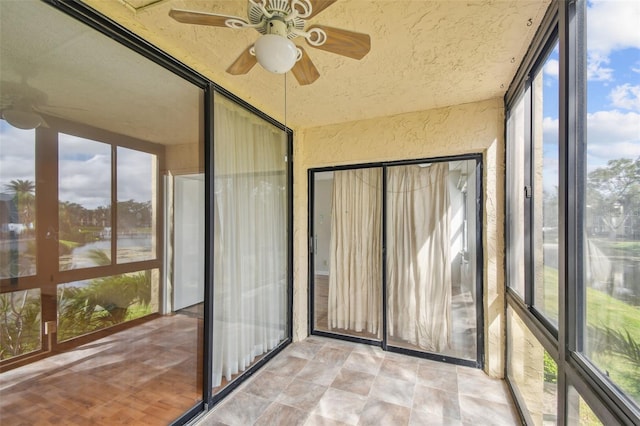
613, 88
84, 168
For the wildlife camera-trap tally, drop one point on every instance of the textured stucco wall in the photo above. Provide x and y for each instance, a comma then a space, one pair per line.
469, 128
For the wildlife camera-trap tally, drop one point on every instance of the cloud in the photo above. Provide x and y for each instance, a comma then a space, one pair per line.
612, 25
135, 174
597, 69
626, 96
17, 154
74, 147
612, 135
613, 126
84, 168
86, 182
552, 68
550, 130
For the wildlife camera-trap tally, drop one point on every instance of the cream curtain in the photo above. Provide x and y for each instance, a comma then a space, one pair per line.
355, 254
418, 256
250, 299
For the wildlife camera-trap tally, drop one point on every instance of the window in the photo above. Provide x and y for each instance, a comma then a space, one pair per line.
516, 195
577, 95
532, 189
90, 305
578, 411
136, 205
611, 207
17, 202
533, 371
96, 298
84, 202
20, 323
544, 170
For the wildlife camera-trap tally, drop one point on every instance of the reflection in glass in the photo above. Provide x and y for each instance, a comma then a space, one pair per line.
431, 258
98, 96
136, 198
20, 322
611, 211
90, 305
84, 206
578, 411
17, 202
533, 372
188, 241
545, 184
250, 242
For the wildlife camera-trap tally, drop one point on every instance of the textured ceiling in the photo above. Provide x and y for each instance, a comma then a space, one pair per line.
424, 54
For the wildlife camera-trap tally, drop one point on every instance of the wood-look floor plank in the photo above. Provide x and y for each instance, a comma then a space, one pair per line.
143, 375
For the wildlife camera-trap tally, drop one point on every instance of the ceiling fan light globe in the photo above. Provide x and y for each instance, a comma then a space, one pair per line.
25, 120
275, 53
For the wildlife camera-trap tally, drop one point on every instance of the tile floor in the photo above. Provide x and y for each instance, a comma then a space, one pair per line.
322, 381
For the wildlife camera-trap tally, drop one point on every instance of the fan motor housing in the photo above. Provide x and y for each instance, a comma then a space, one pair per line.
277, 26
280, 9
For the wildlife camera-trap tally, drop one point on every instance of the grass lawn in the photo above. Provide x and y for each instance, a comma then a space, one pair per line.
626, 248
604, 311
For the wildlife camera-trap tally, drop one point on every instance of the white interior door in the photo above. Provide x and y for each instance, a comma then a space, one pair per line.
188, 256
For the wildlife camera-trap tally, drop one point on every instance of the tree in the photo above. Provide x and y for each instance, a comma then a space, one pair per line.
20, 186
70, 218
613, 193
24, 195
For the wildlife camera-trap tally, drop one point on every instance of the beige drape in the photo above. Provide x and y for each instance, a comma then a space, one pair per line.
418, 256
250, 242
355, 255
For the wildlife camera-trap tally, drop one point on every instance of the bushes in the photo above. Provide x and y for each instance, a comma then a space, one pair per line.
550, 369
102, 303
19, 323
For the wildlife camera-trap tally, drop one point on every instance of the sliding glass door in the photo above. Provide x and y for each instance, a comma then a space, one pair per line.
348, 252
250, 247
431, 284
423, 295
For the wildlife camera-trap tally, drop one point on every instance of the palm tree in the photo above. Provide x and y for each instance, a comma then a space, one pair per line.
23, 190
20, 186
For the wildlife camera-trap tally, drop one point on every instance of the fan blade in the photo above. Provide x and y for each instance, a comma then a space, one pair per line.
304, 71
202, 18
243, 64
342, 42
318, 6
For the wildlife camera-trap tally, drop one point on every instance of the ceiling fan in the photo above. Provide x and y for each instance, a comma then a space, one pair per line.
24, 107
280, 21
19, 105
